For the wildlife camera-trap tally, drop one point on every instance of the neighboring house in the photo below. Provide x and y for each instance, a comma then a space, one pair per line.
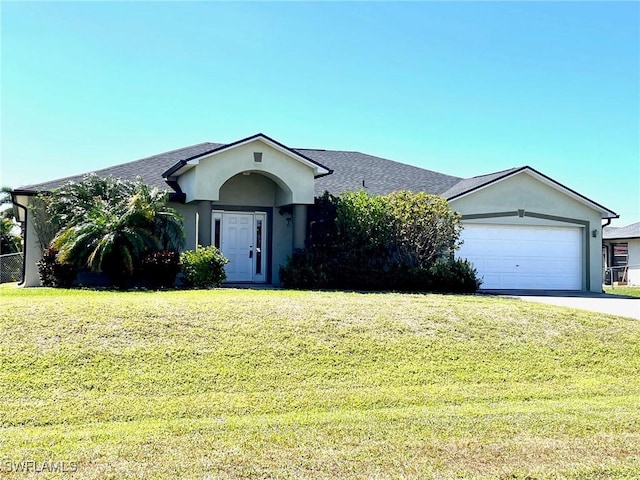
522, 229
621, 254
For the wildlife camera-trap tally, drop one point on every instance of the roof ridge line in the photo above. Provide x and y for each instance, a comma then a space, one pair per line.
168, 151
498, 172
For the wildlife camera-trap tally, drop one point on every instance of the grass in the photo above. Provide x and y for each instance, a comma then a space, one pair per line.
623, 290
281, 384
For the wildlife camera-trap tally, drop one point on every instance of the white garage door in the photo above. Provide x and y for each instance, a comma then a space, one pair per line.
515, 257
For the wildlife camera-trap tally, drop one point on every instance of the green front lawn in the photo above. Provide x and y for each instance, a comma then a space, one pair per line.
629, 291
282, 384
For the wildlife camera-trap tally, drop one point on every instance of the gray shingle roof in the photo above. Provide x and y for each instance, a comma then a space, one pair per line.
469, 184
351, 171
149, 169
380, 175
630, 231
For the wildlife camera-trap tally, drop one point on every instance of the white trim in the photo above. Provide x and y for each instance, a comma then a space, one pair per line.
197, 229
551, 183
183, 169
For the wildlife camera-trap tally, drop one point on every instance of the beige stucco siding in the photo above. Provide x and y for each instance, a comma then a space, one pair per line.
188, 213
295, 179
257, 190
248, 193
282, 243
254, 189
32, 251
524, 192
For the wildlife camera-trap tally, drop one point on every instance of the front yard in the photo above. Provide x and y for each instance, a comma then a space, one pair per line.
282, 384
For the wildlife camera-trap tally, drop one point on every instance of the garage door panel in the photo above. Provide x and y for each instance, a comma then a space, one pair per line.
519, 257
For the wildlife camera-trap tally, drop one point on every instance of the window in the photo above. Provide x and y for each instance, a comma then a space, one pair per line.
260, 243
217, 227
258, 246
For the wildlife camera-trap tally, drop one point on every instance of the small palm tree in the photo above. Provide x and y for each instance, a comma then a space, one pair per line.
5, 203
113, 236
151, 203
10, 240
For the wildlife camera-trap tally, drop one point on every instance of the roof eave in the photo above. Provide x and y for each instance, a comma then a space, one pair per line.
26, 192
636, 237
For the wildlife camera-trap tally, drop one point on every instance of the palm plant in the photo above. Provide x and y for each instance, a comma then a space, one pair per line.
114, 234
5, 203
151, 203
10, 240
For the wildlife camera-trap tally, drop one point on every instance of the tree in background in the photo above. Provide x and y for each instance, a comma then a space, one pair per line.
44, 223
10, 238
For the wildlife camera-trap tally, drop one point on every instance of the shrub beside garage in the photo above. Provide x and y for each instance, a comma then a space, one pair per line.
403, 241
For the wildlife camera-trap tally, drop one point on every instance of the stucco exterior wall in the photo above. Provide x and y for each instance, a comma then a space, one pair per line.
524, 192
282, 243
33, 255
257, 190
254, 189
295, 179
188, 213
246, 193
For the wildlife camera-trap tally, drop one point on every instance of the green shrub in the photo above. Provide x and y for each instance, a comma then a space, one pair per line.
159, 269
424, 228
454, 276
203, 267
53, 273
304, 270
393, 242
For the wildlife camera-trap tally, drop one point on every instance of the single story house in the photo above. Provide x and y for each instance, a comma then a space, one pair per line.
621, 254
522, 229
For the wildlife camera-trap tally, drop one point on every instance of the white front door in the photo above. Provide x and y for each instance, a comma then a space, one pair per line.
242, 240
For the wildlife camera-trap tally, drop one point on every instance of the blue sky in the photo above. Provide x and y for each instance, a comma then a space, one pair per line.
461, 88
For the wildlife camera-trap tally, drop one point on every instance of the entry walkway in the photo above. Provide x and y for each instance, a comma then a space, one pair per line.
622, 306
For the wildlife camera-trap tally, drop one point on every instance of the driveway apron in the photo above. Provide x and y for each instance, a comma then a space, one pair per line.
601, 303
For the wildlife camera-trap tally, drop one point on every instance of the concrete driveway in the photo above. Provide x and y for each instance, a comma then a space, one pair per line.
622, 306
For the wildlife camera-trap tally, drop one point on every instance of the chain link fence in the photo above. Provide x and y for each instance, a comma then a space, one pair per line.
10, 267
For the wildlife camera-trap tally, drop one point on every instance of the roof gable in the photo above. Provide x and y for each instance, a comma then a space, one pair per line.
471, 185
185, 164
